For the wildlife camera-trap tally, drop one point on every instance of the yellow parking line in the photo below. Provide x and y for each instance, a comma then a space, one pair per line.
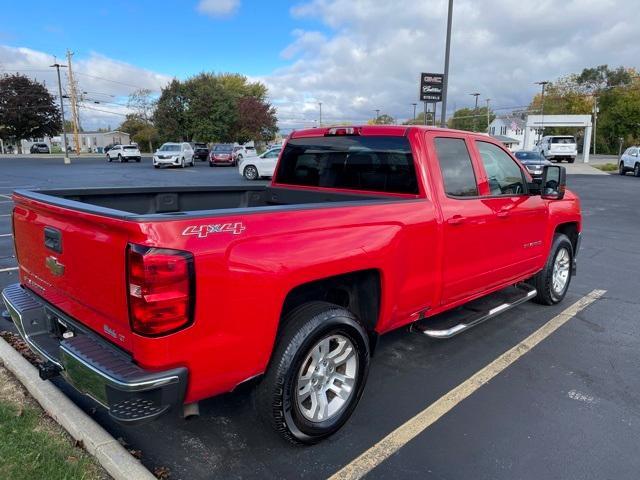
390, 444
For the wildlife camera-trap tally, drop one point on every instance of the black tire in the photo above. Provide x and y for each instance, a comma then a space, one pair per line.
636, 170
156, 166
120, 158
276, 394
108, 158
182, 164
211, 164
250, 173
621, 169
571, 160
543, 280
138, 160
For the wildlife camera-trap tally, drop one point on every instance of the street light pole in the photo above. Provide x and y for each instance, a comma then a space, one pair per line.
544, 83
595, 121
475, 112
320, 104
64, 130
414, 111
443, 114
488, 118
377, 110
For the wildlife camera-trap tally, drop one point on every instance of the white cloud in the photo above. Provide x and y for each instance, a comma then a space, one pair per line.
374, 51
105, 80
218, 8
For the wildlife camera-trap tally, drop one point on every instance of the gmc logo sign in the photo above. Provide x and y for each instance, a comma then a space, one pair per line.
202, 231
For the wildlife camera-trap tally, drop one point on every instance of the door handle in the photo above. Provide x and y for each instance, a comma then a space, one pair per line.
456, 220
503, 214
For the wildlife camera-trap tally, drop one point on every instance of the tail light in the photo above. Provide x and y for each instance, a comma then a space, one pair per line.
161, 289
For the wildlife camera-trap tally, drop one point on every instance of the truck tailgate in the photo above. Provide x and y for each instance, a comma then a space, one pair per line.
76, 262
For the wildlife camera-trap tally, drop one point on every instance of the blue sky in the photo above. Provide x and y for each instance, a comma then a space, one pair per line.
354, 56
168, 36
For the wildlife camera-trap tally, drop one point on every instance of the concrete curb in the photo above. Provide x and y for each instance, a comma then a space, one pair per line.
113, 457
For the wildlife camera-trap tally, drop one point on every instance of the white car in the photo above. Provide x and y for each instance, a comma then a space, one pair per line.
174, 154
124, 153
558, 147
252, 168
630, 161
241, 152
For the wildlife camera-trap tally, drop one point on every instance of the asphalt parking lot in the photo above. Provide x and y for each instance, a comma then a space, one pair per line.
570, 408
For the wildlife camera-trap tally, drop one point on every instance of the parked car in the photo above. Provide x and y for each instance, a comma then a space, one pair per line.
106, 149
240, 152
252, 168
39, 148
200, 151
362, 230
558, 147
221, 154
630, 162
124, 153
533, 161
174, 154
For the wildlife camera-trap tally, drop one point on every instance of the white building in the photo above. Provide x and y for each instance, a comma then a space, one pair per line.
513, 127
90, 142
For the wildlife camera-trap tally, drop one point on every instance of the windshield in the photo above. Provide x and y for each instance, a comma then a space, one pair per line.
528, 156
383, 164
563, 140
130, 147
170, 148
223, 148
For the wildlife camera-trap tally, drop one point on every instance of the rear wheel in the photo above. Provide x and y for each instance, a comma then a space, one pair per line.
250, 172
317, 373
138, 160
552, 282
621, 169
571, 160
636, 170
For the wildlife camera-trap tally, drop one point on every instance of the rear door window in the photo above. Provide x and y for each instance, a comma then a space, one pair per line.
457, 169
503, 174
371, 163
564, 140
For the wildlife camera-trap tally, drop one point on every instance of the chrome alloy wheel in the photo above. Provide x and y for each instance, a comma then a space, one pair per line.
327, 378
561, 267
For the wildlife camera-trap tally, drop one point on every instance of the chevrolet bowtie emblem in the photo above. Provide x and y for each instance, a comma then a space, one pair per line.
55, 266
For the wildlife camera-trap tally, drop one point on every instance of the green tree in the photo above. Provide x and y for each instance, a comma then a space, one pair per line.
383, 119
143, 103
141, 131
27, 109
471, 120
170, 115
619, 117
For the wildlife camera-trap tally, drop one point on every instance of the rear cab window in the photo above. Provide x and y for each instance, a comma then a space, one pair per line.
457, 170
354, 162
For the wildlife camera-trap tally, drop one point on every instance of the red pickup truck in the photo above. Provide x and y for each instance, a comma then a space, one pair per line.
153, 298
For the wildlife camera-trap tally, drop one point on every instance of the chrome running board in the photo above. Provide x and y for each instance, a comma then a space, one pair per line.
449, 324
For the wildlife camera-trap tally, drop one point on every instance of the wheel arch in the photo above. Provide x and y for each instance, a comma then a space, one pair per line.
571, 230
359, 291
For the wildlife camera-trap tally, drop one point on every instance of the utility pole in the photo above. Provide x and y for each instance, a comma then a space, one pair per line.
544, 83
75, 118
443, 114
57, 66
426, 110
414, 111
475, 112
595, 121
377, 110
488, 117
320, 105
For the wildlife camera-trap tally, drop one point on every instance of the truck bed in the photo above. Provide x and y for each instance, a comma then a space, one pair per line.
148, 202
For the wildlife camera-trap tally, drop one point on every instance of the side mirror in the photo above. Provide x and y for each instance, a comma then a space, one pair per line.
554, 182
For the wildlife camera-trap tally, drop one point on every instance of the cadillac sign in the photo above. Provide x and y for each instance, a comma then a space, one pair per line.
431, 87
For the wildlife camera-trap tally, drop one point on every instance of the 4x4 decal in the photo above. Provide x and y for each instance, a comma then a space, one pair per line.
202, 231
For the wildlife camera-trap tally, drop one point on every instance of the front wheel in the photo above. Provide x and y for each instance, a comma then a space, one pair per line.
636, 170
108, 158
571, 160
119, 158
250, 172
317, 373
182, 164
621, 169
552, 282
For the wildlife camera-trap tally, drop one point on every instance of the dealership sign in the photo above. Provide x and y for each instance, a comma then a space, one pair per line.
431, 87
